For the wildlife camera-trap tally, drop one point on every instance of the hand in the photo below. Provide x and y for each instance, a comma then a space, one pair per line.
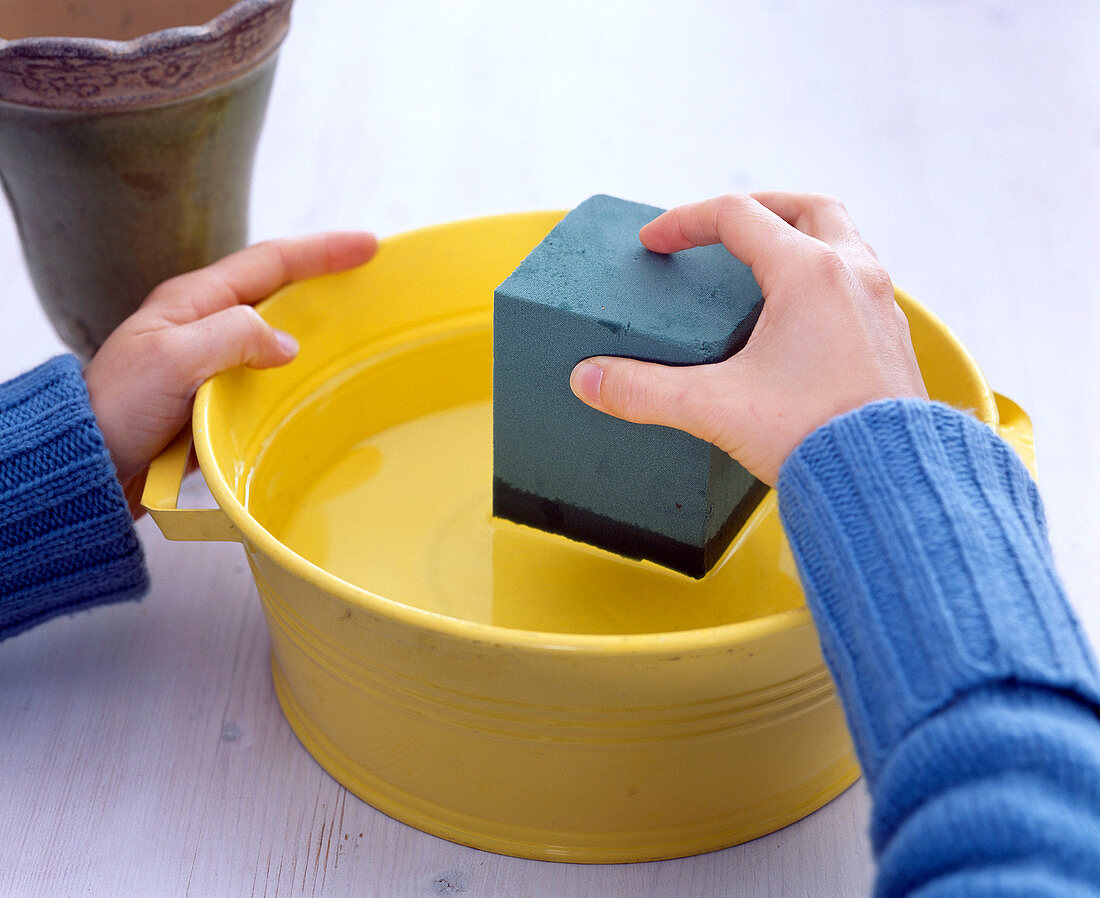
143, 379
830, 337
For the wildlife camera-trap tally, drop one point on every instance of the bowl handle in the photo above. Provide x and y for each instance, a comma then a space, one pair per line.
1015, 427
161, 497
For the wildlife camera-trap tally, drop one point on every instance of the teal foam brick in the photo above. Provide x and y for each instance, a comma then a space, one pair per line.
591, 288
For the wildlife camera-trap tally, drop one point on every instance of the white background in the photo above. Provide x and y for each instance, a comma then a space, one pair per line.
141, 748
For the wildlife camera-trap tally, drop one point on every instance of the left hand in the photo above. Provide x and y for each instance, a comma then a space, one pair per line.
143, 379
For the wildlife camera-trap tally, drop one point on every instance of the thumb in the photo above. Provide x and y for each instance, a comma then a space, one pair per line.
234, 336
141, 383
689, 398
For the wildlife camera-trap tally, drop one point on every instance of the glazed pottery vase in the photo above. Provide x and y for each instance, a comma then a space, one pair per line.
127, 136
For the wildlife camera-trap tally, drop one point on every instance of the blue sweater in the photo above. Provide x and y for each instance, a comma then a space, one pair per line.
66, 538
970, 690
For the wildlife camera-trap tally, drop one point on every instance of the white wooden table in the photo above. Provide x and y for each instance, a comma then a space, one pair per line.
142, 751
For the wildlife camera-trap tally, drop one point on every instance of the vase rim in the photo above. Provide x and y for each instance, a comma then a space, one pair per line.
87, 73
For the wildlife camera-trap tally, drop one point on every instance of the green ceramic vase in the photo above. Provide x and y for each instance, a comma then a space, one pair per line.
128, 159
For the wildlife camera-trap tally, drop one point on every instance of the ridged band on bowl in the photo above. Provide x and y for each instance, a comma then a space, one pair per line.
90, 73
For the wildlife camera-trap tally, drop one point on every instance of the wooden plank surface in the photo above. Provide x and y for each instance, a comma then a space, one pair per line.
142, 751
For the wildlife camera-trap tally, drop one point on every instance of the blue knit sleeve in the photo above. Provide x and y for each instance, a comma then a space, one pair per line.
969, 687
67, 541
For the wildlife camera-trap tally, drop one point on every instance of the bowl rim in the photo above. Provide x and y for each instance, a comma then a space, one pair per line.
723, 636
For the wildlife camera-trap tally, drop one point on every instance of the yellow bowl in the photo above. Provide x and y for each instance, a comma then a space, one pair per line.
491, 684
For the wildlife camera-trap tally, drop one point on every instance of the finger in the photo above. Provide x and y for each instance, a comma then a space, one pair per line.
142, 397
818, 215
648, 393
258, 271
224, 340
748, 229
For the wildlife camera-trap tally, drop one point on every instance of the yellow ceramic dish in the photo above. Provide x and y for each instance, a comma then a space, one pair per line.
491, 684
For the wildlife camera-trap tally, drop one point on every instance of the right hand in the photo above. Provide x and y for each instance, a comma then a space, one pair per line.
830, 337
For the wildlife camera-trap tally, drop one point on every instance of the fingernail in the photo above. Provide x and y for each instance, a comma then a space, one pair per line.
585, 382
286, 342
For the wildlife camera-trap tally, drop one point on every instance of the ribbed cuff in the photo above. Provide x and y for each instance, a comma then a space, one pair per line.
67, 540
922, 546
